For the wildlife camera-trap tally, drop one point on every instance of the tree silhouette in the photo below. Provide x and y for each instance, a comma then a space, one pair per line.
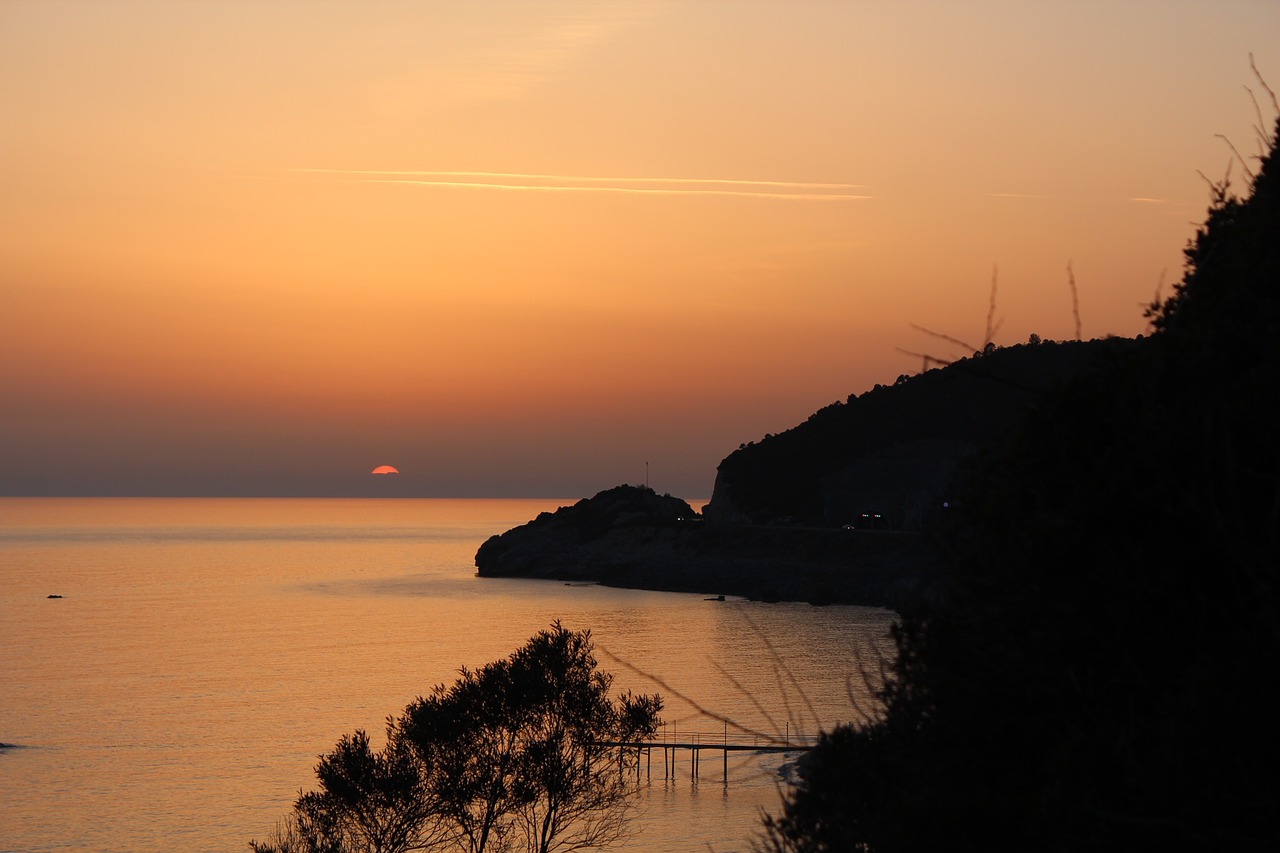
511, 756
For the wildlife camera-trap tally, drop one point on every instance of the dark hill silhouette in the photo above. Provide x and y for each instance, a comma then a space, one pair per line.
1105, 672
564, 543
631, 537
896, 449
776, 528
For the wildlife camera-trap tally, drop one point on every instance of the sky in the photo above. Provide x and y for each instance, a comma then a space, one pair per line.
539, 249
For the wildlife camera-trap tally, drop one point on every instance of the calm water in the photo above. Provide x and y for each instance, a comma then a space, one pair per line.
206, 651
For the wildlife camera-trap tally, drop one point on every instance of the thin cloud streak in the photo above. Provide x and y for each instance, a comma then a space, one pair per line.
588, 178
621, 190
594, 184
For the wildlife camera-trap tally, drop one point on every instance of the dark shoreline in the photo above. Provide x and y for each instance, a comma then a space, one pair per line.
815, 565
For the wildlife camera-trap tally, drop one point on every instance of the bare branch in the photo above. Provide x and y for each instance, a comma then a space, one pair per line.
780, 668
1159, 297
1238, 155
751, 697
991, 308
702, 710
1264, 139
1219, 191
1275, 104
1075, 298
928, 359
943, 337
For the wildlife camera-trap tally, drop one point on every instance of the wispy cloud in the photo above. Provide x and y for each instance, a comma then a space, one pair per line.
532, 182
511, 68
1015, 195
1163, 206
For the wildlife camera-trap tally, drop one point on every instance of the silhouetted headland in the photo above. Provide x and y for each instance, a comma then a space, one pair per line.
630, 536
841, 509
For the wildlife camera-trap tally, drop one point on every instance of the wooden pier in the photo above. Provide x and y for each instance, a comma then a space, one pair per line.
696, 744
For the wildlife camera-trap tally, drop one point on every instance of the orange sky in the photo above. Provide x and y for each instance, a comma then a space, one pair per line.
527, 248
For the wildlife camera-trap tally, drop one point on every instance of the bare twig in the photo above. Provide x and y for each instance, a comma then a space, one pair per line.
992, 325
1158, 298
1243, 164
1264, 131
872, 685
779, 668
1075, 298
1219, 191
946, 338
928, 359
697, 706
1275, 104
737, 685
1264, 138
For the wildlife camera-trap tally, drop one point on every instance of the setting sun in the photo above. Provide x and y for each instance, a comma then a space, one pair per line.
386, 469
578, 257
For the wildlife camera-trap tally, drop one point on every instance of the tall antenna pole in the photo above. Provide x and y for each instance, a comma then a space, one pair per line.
646, 474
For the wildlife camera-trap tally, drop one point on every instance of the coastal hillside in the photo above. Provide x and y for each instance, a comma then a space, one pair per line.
897, 453
1105, 672
843, 508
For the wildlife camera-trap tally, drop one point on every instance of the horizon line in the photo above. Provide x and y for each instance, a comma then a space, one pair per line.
298, 497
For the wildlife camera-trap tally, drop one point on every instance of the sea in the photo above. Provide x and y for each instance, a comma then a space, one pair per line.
172, 668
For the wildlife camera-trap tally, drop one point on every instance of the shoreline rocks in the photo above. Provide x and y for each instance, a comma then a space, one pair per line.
631, 537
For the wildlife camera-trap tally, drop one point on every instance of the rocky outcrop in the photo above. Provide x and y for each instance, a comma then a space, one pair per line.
630, 537
554, 542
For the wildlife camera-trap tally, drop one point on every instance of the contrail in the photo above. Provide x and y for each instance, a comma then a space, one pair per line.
588, 179
630, 186
624, 190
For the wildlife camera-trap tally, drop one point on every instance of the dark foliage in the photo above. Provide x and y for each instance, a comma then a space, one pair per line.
512, 756
1105, 673
975, 400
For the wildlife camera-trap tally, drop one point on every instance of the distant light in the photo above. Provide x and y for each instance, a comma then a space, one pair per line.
385, 469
